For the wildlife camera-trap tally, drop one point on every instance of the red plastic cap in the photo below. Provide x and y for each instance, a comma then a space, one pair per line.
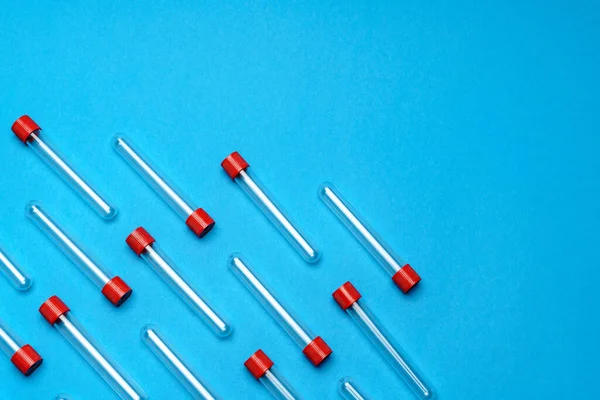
258, 364
53, 308
200, 222
116, 291
233, 164
346, 295
406, 278
27, 360
139, 239
23, 127
317, 351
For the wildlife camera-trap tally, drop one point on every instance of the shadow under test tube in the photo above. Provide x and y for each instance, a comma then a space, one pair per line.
19, 279
261, 367
30, 133
349, 391
22, 355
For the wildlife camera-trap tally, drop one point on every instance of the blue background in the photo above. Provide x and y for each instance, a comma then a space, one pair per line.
465, 133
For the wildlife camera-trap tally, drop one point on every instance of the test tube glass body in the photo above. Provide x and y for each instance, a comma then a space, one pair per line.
163, 351
237, 168
30, 134
11, 271
261, 367
349, 391
22, 355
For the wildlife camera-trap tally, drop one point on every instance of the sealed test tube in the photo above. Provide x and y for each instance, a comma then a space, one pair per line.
144, 245
164, 352
22, 355
11, 271
114, 289
347, 297
198, 221
58, 315
313, 347
349, 391
237, 169
261, 367
31, 134
402, 273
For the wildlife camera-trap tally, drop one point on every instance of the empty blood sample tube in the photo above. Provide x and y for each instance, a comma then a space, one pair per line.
19, 279
313, 347
144, 245
402, 273
349, 391
31, 134
237, 169
197, 220
22, 355
164, 352
347, 297
261, 367
58, 314
114, 289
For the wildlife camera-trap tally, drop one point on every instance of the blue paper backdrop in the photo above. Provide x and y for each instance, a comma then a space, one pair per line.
466, 134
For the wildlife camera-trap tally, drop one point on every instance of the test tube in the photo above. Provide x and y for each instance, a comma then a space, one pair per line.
347, 297
349, 391
402, 273
22, 355
164, 352
58, 314
114, 289
198, 221
313, 347
144, 245
31, 134
11, 271
261, 367
237, 169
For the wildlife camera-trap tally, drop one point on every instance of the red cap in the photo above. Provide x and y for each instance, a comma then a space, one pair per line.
258, 364
317, 351
116, 291
200, 222
406, 278
27, 360
346, 295
233, 164
139, 239
23, 127
53, 308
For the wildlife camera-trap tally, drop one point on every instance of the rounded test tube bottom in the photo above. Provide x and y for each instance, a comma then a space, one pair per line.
349, 391
19, 279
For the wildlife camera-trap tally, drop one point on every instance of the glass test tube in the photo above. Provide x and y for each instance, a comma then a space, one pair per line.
163, 351
58, 315
11, 271
114, 289
313, 347
144, 245
261, 367
22, 355
198, 221
237, 169
347, 297
402, 273
31, 134
349, 391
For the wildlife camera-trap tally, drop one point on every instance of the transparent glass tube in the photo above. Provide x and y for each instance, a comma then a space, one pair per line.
313, 347
261, 367
114, 288
11, 271
163, 351
22, 355
401, 272
349, 391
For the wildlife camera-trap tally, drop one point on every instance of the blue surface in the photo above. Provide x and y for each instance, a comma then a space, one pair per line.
465, 133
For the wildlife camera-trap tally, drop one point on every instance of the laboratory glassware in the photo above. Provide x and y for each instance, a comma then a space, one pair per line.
261, 367
13, 273
22, 355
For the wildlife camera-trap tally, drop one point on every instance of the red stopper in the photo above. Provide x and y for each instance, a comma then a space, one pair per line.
139, 239
317, 351
346, 295
116, 291
258, 364
27, 360
233, 164
53, 308
200, 222
23, 127
406, 278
